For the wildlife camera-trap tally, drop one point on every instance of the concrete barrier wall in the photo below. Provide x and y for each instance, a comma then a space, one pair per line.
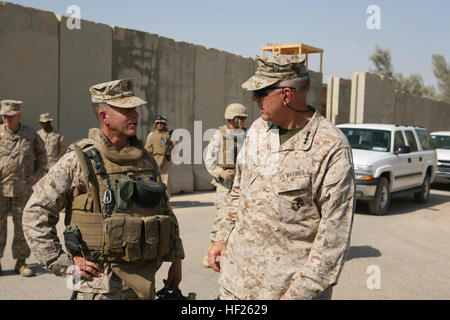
314, 97
372, 99
135, 56
338, 100
29, 61
85, 59
375, 100
176, 61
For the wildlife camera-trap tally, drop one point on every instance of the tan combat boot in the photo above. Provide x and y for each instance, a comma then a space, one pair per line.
22, 268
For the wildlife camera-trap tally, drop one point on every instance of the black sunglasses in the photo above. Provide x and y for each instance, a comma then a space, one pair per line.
264, 91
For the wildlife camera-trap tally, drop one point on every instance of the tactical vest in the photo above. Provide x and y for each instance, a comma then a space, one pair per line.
228, 149
121, 229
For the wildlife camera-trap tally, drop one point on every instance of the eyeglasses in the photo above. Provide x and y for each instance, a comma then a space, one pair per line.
241, 118
264, 91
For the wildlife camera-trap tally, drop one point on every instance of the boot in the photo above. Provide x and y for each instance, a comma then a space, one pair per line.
22, 269
1, 269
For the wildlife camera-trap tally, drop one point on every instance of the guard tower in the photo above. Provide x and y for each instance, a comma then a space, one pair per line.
296, 48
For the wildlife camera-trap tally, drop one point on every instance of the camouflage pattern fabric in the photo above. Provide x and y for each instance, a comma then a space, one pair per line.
158, 143
272, 69
221, 204
213, 159
290, 214
20, 249
54, 146
41, 214
21, 153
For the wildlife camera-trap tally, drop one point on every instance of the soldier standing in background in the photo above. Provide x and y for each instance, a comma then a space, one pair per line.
158, 143
54, 142
288, 224
220, 160
22, 163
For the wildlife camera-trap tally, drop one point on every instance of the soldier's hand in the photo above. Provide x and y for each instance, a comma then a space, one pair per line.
227, 175
173, 276
217, 249
88, 269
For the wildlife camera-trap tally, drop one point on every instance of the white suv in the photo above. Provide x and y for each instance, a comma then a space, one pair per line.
441, 140
390, 160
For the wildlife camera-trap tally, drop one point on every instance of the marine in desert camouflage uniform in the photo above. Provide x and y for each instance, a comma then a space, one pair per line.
159, 144
54, 142
220, 161
67, 183
287, 229
22, 163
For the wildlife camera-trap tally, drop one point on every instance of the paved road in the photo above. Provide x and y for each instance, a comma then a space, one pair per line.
402, 255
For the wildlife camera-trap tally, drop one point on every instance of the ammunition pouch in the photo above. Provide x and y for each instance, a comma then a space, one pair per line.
136, 238
148, 193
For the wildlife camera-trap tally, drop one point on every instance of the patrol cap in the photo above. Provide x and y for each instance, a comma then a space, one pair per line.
161, 119
45, 117
272, 69
10, 107
117, 93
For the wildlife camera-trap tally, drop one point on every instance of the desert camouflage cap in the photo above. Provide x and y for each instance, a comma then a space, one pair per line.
10, 107
45, 117
117, 93
272, 69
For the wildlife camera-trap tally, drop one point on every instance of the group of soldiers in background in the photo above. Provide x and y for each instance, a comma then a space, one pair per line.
25, 156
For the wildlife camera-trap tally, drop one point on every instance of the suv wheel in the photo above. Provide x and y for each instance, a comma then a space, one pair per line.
422, 196
380, 203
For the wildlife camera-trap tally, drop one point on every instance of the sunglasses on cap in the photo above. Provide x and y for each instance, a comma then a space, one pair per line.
265, 91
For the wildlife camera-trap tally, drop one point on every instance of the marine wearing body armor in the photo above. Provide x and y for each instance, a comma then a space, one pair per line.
124, 214
119, 225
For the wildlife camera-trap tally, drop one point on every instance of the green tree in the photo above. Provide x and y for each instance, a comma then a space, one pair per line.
382, 61
414, 84
441, 71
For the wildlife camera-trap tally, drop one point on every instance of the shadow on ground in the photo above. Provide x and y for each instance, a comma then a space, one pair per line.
406, 204
190, 204
362, 252
36, 268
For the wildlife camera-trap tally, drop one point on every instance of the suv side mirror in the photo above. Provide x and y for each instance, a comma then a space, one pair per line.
402, 149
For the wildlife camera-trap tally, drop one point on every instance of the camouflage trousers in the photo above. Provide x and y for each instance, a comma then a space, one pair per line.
224, 294
20, 249
128, 294
221, 204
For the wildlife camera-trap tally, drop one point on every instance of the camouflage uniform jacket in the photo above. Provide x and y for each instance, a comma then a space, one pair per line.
54, 145
290, 215
214, 153
63, 181
21, 153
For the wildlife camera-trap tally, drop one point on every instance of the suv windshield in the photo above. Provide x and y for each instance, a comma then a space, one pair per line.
368, 139
441, 142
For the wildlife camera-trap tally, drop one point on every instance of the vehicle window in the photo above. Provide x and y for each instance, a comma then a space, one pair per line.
425, 139
398, 140
441, 142
411, 140
368, 139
